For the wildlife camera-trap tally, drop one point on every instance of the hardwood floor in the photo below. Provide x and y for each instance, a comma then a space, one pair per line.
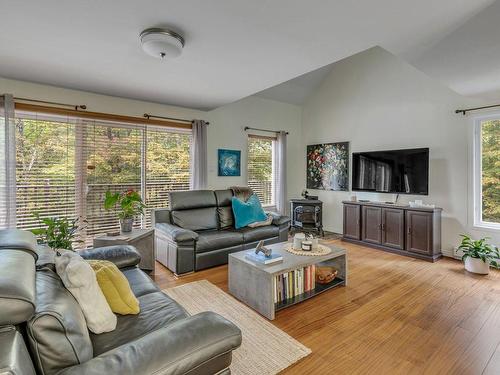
398, 315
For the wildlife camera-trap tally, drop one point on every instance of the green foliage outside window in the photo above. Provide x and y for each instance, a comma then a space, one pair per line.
490, 137
260, 168
54, 158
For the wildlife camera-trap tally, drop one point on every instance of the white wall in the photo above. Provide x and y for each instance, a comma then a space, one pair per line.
228, 132
225, 129
376, 101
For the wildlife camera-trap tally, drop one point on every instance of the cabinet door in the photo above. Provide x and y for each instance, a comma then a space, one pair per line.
419, 232
352, 227
393, 229
371, 224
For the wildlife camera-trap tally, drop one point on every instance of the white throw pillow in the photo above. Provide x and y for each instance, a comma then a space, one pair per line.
80, 279
268, 221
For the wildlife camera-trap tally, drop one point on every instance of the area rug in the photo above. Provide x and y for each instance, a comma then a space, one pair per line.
265, 349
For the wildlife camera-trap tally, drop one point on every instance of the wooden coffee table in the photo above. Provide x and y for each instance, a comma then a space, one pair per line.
253, 283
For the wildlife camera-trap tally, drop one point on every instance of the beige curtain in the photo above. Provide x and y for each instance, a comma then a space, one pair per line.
7, 163
199, 167
280, 174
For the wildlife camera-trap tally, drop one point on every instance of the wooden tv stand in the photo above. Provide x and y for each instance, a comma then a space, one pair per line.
400, 229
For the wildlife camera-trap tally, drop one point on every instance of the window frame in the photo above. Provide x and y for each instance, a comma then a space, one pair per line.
270, 206
477, 175
79, 165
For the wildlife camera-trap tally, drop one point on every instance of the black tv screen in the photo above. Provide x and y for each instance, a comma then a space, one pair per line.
395, 171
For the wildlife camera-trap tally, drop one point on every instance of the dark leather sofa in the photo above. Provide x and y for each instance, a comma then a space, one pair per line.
43, 330
197, 230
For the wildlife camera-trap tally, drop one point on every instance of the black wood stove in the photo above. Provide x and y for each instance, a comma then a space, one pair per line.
307, 215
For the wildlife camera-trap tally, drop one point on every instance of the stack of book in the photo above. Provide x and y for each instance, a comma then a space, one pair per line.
294, 283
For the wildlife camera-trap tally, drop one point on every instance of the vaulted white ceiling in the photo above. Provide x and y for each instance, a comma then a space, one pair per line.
234, 48
468, 59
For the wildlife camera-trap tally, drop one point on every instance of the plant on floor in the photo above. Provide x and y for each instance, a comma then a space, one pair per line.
480, 250
129, 205
57, 232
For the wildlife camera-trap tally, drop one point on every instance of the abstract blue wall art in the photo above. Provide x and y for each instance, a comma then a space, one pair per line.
229, 162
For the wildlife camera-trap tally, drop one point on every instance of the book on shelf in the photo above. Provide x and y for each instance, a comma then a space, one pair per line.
261, 258
294, 283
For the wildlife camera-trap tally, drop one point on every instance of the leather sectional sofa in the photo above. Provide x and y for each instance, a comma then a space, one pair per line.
197, 230
43, 330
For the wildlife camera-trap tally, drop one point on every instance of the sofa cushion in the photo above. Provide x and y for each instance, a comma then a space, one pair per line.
115, 287
57, 333
218, 239
247, 212
223, 197
157, 310
224, 208
187, 200
259, 233
226, 217
196, 219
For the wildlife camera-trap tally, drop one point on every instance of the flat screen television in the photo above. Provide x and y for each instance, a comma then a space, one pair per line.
394, 171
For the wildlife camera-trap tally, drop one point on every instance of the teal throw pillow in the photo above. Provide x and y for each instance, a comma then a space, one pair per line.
247, 212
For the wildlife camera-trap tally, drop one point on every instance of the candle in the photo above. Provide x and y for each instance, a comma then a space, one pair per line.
307, 245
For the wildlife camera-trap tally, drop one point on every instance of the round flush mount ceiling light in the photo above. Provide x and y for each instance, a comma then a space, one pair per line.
161, 43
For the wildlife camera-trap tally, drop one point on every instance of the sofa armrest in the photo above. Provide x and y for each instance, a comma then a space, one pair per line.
14, 357
176, 349
121, 255
160, 215
17, 239
177, 234
279, 220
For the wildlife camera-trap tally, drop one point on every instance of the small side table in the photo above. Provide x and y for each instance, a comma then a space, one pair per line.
142, 239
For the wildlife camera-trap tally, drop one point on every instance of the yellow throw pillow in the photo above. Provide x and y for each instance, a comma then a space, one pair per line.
115, 287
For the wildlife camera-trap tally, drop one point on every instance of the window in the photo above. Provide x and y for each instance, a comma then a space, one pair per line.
487, 172
45, 174
64, 166
261, 168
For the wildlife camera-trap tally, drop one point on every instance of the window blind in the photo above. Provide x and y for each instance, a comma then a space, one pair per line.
64, 166
260, 168
167, 166
45, 175
111, 161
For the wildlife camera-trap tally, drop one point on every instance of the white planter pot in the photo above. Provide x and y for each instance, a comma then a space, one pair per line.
476, 265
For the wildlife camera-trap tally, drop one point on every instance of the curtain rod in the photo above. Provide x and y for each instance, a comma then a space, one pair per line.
148, 116
264, 130
75, 106
464, 111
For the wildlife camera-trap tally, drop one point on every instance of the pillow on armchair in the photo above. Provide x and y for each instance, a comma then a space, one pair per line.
247, 212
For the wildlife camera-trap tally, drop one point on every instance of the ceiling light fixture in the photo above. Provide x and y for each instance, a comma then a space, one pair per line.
161, 43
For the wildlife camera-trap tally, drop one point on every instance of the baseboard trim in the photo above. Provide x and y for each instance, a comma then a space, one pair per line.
449, 253
428, 258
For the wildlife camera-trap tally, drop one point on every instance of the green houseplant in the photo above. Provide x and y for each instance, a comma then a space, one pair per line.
129, 205
479, 255
59, 233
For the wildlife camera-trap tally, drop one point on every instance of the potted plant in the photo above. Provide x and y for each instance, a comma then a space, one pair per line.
479, 255
129, 204
59, 233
